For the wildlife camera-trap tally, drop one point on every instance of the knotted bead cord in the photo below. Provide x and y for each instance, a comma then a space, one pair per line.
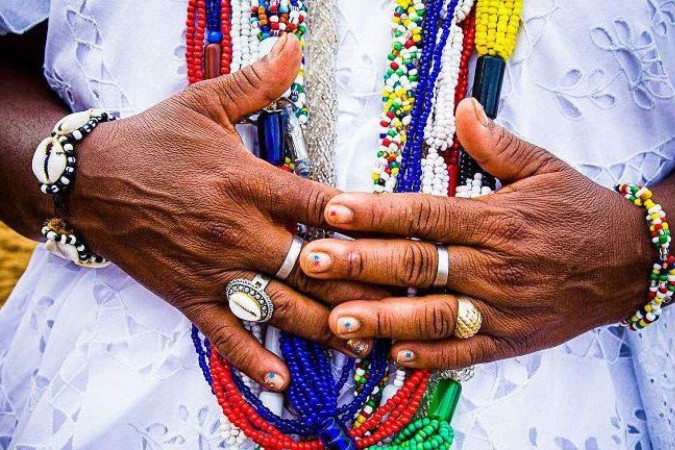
440, 128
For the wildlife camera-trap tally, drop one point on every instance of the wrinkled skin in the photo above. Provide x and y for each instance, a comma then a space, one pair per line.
544, 259
173, 197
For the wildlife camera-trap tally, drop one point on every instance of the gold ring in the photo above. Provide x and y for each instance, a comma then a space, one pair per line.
469, 319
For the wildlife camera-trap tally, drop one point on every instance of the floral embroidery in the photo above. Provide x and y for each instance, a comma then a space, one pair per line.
662, 13
576, 87
639, 59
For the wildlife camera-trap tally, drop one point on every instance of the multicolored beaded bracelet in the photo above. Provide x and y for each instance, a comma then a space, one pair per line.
662, 277
53, 165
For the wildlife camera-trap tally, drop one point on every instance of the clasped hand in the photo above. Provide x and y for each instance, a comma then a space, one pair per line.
173, 197
547, 257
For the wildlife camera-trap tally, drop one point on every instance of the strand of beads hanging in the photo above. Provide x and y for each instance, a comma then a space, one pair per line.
401, 81
243, 34
410, 177
440, 128
662, 277
497, 24
194, 39
217, 51
385, 422
452, 155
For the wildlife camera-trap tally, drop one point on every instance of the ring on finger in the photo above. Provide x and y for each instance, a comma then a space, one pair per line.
291, 259
248, 300
469, 319
443, 271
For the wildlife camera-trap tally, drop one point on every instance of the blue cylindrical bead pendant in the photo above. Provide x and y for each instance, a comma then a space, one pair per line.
272, 136
335, 437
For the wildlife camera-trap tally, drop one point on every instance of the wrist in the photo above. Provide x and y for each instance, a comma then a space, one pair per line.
54, 165
660, 281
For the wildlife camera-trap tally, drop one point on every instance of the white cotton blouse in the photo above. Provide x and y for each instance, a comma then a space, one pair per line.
89, 359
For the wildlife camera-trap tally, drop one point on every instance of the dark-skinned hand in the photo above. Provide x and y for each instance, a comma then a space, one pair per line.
546, 258
173, 197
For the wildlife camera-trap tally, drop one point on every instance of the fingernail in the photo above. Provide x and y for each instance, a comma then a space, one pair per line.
279, 44
274, 381
347, 325
480, 112
404, 356
339, 214
358, 347
319, 262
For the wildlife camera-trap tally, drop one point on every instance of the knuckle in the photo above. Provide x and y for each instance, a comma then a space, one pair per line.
449, 357
384, 325
512, 226
504, 141
416, 268
355, 263
438, 317
424, 217
512, 276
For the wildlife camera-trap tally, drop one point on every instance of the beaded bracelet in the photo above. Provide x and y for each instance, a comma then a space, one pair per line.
662, 277
53, 165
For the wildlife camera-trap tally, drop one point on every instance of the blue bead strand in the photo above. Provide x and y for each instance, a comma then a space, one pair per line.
202, 354
410, 152
410, 176
215, 35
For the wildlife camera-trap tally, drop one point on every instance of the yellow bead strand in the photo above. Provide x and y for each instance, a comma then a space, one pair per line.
497, 24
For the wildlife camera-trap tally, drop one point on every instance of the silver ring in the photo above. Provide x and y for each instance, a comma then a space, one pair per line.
443, 272
248, 300
291, 259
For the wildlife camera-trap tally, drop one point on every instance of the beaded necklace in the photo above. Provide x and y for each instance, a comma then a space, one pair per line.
497, 23
401, 80
411, 164
319, 414
415, 71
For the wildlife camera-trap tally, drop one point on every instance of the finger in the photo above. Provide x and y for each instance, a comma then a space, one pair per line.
226, 334
395, 262
430, 317
301, 316
497, 150
297, 199
437, 219
258, 85
275, 246
451, 353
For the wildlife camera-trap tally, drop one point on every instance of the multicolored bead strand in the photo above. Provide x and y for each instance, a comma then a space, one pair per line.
440, 128
398, 95
430, 67
662, 277
452, 155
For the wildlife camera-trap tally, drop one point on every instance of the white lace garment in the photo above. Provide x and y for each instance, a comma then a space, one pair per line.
91, 360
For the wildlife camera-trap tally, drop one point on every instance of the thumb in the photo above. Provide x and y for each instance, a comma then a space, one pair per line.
499, 152
255, 86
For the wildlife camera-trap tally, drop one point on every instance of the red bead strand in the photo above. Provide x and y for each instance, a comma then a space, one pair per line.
452, 155
226, 44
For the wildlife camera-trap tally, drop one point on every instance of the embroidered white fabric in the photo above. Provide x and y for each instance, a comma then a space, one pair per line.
90, 359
